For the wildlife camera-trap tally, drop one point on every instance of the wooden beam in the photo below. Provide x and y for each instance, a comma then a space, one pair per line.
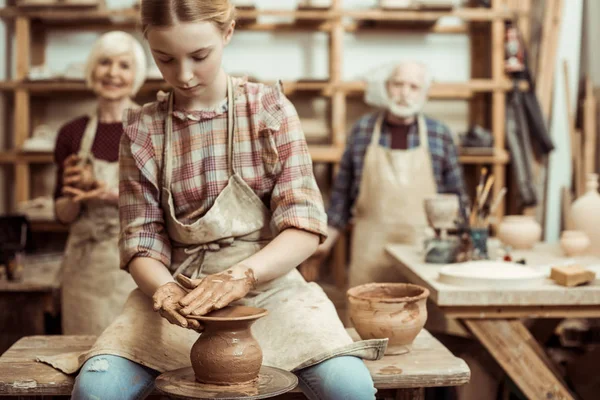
509, 343
537, 312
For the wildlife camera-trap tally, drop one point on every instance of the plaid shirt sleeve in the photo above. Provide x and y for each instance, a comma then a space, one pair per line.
452, 175
142, 225
296, 201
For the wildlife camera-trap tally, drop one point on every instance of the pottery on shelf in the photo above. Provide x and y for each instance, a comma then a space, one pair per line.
226, 353
574, 243
520, 232
396, 311
585, 213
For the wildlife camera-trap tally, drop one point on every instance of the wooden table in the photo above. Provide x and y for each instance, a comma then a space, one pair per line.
23, 303
493, 315
429, 364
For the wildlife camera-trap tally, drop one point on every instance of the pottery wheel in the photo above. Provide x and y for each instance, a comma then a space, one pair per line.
181, 384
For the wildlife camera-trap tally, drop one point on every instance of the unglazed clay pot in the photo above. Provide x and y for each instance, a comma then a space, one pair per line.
519, 231
442, 210
585, 213
396, 311
574, 243
226, 353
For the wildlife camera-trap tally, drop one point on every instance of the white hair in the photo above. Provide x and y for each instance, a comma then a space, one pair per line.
427, 77
113, 43
376, 94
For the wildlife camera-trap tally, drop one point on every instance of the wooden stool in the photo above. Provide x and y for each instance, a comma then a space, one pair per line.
181, 384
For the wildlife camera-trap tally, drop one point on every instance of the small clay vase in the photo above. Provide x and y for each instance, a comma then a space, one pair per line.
520, 232
396, 311
226, 353
574, 243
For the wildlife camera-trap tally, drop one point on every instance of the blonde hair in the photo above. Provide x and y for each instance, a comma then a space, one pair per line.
162, 13
111, 44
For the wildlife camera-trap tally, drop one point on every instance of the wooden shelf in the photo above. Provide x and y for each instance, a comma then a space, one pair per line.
439, 90
130, 16
13, 157
52, 87
49, 226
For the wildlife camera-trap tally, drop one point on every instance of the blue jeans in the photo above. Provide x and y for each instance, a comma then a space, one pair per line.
108, 377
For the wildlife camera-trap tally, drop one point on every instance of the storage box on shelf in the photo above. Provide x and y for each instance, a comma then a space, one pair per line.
335, 21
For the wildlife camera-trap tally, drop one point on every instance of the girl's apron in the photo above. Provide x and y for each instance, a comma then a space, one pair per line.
94, 288
302, 327
389, 208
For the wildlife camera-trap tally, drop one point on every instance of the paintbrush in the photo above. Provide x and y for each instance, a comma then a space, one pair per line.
479, 190
486, 190
496, 203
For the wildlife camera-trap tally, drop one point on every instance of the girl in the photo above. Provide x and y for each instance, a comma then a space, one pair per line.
87, 149
217, 186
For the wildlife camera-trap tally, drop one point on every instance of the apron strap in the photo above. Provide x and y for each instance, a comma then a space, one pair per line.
87, 141
168, 150
423, 134
377, 129
230, 125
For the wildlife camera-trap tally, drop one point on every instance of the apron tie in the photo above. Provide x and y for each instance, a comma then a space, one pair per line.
196, 254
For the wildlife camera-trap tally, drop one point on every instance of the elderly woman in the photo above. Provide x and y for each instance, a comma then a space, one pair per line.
94, 288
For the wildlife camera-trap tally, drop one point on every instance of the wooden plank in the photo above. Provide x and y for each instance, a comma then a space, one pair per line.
545, 75
131, 15
589, 129
510, 312
508, 343
498, 104
23, 184
23, 43
429, 364
567, 200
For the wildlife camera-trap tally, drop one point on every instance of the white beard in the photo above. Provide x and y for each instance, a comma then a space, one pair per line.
406, 111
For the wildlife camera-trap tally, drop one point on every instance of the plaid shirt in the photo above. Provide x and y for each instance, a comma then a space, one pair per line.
446, 168
270, 154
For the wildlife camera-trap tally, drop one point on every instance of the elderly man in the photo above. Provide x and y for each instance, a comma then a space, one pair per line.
395, 158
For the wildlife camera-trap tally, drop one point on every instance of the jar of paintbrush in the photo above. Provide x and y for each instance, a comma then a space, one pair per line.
482, 210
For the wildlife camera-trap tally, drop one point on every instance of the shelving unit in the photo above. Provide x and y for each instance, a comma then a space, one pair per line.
336, 21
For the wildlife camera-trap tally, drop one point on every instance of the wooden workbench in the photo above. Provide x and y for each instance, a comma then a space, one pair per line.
493, 315
23, 303
429, 364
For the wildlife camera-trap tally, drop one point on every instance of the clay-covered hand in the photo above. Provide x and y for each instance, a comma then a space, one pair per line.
97, 191
76, 175
166, 302
215, 291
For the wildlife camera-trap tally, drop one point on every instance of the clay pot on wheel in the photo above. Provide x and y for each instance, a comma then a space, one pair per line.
226, 353
396, 311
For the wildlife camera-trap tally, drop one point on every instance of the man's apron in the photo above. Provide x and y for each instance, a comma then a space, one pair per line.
302, 327
94, 288
389, 208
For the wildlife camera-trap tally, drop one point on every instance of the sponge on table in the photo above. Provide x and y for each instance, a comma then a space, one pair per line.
571, 275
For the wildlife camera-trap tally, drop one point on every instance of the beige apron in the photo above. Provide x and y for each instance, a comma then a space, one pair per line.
94, 288
302, 327
389, 208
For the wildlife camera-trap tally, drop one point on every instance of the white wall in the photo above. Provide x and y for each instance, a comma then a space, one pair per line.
560, 170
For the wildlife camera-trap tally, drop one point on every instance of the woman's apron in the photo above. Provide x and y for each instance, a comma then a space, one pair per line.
94, 288
389, 208
302, 327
